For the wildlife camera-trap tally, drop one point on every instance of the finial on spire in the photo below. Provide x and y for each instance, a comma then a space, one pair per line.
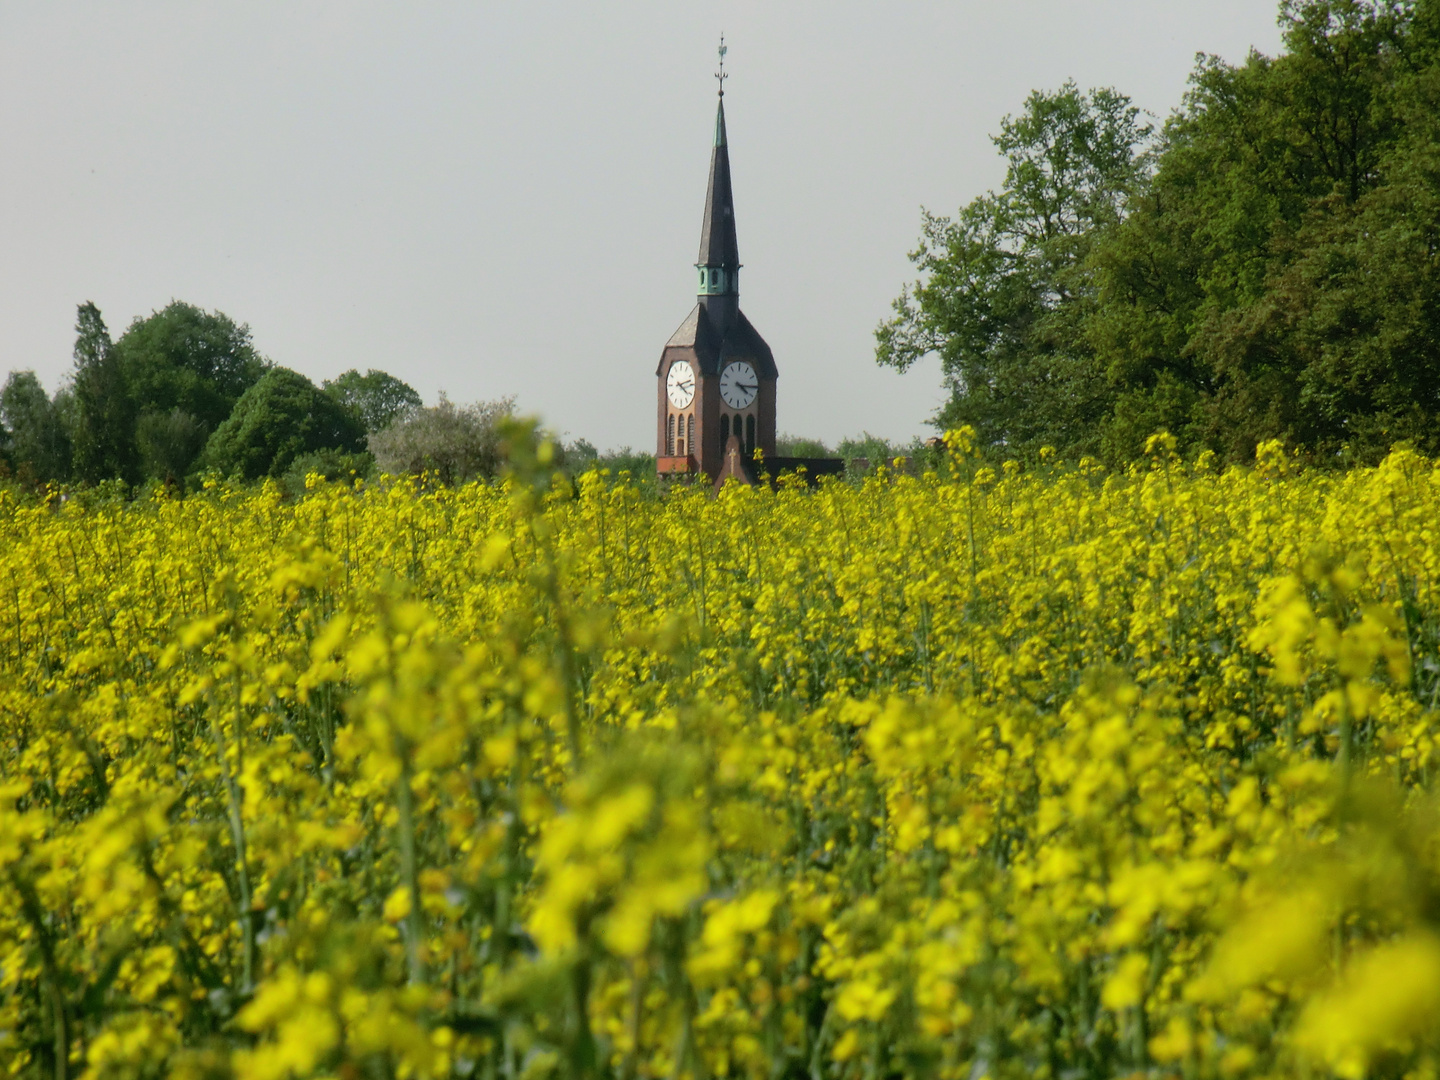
720, 75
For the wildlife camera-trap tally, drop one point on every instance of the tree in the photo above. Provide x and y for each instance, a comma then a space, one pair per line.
169, 443
375, 397
281, 417
37, 444
1277, 279
182, 357
454, 442
177, 368
1268, 270
103, 435
1005, 287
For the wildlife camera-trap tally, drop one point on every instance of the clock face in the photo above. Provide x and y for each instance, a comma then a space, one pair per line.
738, 384
680, 384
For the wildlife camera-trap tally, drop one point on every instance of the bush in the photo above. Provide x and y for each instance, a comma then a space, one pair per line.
582, 456
799, 446
329, 464
281, 417
456, 443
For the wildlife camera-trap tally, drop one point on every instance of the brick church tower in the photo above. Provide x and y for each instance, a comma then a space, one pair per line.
716, 379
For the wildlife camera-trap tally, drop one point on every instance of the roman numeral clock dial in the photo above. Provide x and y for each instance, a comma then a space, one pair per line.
680, 384
738, 384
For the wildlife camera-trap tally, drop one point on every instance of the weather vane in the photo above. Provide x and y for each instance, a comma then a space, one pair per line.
720, 75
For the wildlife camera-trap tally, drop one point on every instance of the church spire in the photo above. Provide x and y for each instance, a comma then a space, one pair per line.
719, 262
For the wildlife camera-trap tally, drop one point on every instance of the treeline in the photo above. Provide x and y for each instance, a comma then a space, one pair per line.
1265, 265
183, 393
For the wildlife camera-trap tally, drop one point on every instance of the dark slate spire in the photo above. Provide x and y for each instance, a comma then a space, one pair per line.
718, 248
719, 263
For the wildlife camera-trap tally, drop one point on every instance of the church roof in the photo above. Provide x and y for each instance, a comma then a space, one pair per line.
702, 344
718, 246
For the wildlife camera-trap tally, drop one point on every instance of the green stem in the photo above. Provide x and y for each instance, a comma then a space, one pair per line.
409, 870
237, 834
34, 915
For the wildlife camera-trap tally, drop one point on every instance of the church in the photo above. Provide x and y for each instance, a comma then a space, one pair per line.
716, 379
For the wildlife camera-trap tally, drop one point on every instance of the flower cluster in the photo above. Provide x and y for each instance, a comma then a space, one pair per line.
972, 773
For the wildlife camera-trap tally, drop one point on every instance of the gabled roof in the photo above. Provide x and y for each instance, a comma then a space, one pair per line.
701, 344
744, 342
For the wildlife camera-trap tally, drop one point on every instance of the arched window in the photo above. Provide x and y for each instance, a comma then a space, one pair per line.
750, 435
724, 433
670, 435
690, 432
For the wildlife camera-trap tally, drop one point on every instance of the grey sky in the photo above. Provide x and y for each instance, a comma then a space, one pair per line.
494, 199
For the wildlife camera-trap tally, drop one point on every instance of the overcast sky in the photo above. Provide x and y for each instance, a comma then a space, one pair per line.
496, 199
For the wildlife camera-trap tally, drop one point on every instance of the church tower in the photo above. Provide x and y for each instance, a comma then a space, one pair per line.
716, 379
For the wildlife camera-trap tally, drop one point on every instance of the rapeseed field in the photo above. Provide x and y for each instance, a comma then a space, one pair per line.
986, 772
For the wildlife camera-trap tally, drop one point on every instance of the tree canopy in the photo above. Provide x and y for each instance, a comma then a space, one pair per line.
182, 357
181, 389
376, 397
32, 430
453, 442
104, 432
144, 400
281, 417
1268, 268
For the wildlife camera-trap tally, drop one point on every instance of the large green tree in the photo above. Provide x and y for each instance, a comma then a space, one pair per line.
103, 434
1272, 273
1275, 280
376, 398
36, 442
281, 417
1005, 290
147, 399
182, 357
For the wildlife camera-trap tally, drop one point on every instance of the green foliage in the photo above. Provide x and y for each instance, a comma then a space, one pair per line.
581, 456
452, 442
169, 443
281, 417
376, 397
181, 357
799, 446
104, 417
1005, 291
330, 465
1279, 278
32, 431
144, 402
1271, 272
870, 449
